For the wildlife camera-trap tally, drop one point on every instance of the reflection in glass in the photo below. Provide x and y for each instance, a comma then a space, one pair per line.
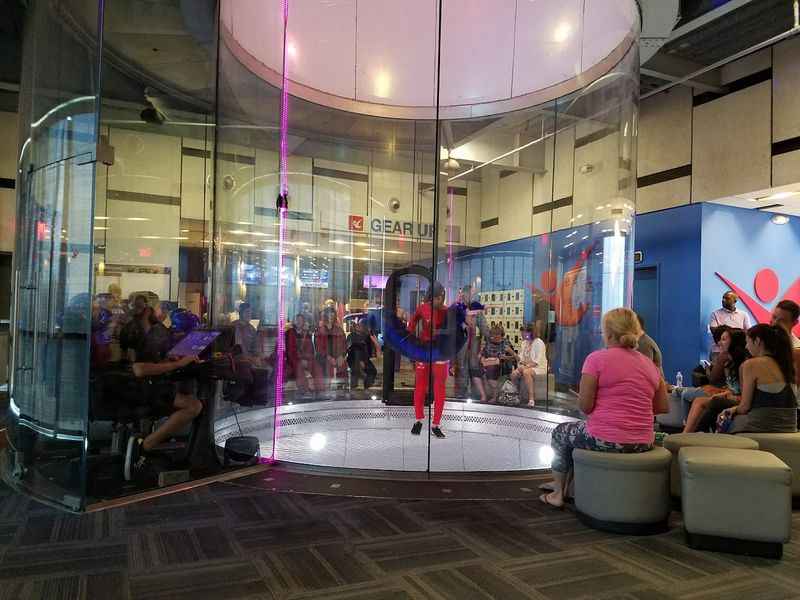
457, 222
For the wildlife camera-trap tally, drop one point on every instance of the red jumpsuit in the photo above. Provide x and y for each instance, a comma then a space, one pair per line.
423, 315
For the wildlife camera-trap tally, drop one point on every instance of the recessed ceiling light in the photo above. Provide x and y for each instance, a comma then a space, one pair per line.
780, 219
562, 32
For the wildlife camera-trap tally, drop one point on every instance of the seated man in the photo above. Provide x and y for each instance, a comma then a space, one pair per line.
649, 347
496, 356
152, 360
246, 336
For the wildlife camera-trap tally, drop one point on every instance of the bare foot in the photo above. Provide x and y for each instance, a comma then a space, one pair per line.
552, 499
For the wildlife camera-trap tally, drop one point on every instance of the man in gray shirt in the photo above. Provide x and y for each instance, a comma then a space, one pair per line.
649, 348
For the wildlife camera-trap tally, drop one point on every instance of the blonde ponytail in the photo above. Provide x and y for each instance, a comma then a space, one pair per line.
621, 326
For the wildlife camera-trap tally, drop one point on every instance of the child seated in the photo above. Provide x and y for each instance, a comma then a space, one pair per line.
497, 357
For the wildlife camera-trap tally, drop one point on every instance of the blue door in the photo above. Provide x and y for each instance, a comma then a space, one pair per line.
645, 299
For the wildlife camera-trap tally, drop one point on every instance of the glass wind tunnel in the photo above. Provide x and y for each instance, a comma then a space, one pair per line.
290, 182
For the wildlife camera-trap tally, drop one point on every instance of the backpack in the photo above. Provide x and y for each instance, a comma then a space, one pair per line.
508, 394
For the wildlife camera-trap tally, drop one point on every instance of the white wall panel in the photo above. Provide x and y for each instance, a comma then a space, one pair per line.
516, 195
8, 212
786, 168
745, 66
665, 131
145, 163
8, 149
786, 88
731, 152
663, 195
565, 148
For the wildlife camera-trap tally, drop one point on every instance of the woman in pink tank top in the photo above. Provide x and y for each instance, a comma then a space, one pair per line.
620, 392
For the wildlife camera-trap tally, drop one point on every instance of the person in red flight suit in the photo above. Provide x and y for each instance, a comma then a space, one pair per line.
430, 316
300, 359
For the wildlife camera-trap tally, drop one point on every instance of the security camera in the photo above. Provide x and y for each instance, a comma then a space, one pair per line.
153, 116
156, 110
394, 205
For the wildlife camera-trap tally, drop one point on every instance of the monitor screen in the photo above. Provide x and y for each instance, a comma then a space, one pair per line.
375, 281
194, 343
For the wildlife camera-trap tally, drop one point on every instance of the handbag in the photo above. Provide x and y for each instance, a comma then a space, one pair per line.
724, 422
509, 394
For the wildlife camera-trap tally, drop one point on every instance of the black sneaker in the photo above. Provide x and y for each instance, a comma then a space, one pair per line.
417, 428
134, 458
438, 432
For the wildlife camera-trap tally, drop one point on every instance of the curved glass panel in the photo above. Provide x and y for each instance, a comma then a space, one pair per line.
387, 247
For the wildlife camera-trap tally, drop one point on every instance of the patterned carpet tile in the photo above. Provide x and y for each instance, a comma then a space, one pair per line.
230, 541
473, 582
417, 552
506, 540
292, 533
54, 559
222, 581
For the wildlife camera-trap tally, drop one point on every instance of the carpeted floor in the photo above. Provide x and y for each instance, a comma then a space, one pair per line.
241, 540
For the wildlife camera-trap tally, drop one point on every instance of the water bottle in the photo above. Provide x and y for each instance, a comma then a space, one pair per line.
679, 380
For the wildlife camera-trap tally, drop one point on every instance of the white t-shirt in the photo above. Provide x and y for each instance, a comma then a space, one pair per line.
534, 351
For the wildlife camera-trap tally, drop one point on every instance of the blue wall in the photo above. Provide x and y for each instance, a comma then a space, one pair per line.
670, 241
688, 245
521, 263
738, 243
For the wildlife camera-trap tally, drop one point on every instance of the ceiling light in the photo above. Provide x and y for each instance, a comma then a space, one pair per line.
101, 218
102, 228
137, 219
562, 32
339, 242
383, 84
780, 219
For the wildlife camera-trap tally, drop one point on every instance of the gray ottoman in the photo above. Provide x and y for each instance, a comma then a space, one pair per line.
675, 442
623, 493
736, 501
785, 446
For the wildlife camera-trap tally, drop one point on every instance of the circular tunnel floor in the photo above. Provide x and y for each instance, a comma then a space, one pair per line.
368, 435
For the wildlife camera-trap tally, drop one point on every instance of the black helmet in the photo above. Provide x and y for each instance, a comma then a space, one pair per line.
435, 291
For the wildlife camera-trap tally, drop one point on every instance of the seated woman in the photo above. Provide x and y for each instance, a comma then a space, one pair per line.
768, 403
620, 390
708, 401
532, 360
